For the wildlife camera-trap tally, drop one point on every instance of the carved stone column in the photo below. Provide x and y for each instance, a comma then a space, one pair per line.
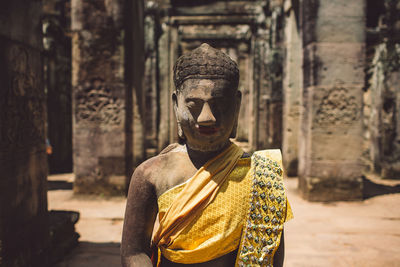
24, 228
292, 86
99, 97
331, 128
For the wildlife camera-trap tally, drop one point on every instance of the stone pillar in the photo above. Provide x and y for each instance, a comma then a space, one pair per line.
268, 77
292, 88
150, 85
331, 127
24, 230
134, 76
165, 100
168, 53
99, 97
382, 111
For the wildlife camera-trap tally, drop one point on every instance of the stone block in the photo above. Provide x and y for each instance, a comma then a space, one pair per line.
341, 8
333, 21
331, 143
332, 189
98, 157
326, 64
21, 21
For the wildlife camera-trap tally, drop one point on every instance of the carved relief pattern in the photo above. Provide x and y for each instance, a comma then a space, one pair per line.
337, 107
96, 104
22, 101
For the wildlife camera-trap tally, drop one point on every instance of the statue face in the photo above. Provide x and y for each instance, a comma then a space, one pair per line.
207, 112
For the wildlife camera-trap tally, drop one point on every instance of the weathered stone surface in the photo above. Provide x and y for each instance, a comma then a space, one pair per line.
24, 232
292, 89
99, 97
164, 89
383, 129
20, 19
331, 189
381, 141
333, 21
330, 166
150, 85
331, 63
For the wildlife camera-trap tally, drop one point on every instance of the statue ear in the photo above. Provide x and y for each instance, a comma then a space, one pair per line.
180, 131
235, 124
175, 103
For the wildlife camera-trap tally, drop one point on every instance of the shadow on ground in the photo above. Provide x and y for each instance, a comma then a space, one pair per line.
90, 254
59, 185
372, 189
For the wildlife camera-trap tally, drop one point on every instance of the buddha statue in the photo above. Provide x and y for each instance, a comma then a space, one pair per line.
204, 201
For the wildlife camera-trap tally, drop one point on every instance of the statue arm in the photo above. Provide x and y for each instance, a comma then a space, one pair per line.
140, 214
280, 253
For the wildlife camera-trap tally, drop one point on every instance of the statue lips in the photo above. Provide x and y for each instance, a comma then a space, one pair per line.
207, 130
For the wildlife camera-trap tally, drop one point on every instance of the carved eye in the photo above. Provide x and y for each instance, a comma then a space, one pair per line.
192, 103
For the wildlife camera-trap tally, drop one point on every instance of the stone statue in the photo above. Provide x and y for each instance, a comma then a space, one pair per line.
205, 202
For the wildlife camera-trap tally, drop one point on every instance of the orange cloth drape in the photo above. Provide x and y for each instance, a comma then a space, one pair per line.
198, 192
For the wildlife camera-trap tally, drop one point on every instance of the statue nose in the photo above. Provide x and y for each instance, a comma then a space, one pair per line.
206, 117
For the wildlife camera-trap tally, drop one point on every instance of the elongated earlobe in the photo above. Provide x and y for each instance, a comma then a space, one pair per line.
181, 135
234, 129
235, 125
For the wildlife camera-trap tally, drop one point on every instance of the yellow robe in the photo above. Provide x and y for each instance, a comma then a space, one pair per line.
218, 228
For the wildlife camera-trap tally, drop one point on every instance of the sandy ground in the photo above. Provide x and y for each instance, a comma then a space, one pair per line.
365, 233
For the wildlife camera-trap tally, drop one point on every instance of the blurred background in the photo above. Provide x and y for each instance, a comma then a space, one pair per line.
85, 97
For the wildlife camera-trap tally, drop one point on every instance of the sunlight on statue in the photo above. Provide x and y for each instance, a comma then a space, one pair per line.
205, 202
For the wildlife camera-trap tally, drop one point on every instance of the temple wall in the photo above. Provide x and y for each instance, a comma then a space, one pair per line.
330, 166
314, 84
24, 228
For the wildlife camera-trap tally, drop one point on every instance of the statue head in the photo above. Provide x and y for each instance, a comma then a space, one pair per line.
206, 100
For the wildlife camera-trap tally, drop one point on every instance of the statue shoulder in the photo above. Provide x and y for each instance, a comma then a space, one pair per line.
171, 147
156, 166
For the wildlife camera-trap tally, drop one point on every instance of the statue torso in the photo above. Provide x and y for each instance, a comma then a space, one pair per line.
169, 170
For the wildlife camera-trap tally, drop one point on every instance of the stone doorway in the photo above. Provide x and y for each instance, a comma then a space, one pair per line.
57, 84
250, 33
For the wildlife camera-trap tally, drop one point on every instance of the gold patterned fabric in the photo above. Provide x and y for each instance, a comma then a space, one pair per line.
268, 210
217, 229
